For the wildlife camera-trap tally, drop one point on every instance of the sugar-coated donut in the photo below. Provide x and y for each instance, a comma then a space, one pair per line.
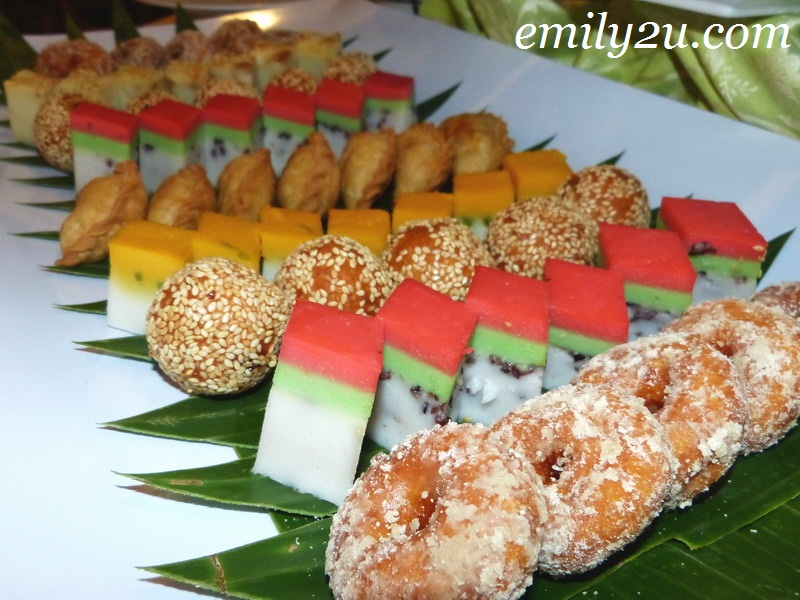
784, 295
606, 465
764, 345
693, 390
446, 515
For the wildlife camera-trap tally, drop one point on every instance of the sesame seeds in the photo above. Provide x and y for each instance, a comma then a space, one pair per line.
441, 253
336, 271
215, 327
351, 67
522, 237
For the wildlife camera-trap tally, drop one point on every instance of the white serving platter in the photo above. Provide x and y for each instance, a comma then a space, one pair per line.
71, 526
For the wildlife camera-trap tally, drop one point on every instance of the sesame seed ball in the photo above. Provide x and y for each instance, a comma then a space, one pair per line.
524, 235
608, 194
441, 253
51, 130
336, 271
215, 326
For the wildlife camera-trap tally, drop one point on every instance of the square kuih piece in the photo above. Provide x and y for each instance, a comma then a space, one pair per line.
101, 138
726, 249
508, 349
169, 140
320, 400
288, 117
588, 315
425, 339
389, 102
339, 113
658, 274
231, 127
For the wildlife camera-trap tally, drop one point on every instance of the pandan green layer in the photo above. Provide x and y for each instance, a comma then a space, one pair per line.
339, 397
416, 372
300, 130
657, 298
165, 144
508, 347
235, 136
114, 149
724, 265
576, 342
333, 120
390, 105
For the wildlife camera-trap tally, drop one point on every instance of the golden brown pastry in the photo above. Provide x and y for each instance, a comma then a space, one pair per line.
215, 87
63, 57
189, 45
148, 99
142, 51
367, 165
424, 159
182, 197
351, 67
235, 36
310, 181
479, 141
103, 205
246, 184
296, 79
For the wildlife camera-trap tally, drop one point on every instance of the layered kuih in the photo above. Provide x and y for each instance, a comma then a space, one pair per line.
724, 246
426, 337
508, 348
281, 231
168, 140
339, 111
412, 206
288, 117
478, 197
230, 237
389, 102
320, 400
231, 127
142, 256
588, 315
369, 226
101, 137
659, 277
536, 172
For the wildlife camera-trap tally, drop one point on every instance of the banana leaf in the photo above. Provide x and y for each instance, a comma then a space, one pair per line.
92, 308
133, 346
183, 20
122, 23
51, 236
97, 269
15, 51
60, 182
63, 205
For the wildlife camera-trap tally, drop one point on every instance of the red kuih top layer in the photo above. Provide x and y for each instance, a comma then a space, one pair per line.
652, 257
389, 86
339, 345
427, 325
510, 303
235, 112
171, 119
340, 97
711, 227
288, 104
105, 122
587, 300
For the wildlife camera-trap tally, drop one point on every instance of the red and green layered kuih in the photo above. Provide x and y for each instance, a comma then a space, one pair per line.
659, 277
339, 112
169, 140
231, 127
389, 101
724, 246
288, 117
426, 336
320, 400
588, 315
101, 138
508, 348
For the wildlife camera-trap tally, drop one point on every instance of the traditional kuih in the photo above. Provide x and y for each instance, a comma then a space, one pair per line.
588, 315
508, 348
723, 244
426, 336
231, 127
478, 197
413, 206
281, 232
658, 274
238, 239
142, 256
536, 172
370, 226
340, 106
101, 138
389, 102
320, 400
287, 120
169, 139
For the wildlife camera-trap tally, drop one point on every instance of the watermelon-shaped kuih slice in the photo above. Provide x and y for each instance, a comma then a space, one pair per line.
288, 117
339, 112
389, 102
724, 246
588, 315
320, 400
659, 277
231, 127
508, 348
101, 138
426, 336
169, 140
